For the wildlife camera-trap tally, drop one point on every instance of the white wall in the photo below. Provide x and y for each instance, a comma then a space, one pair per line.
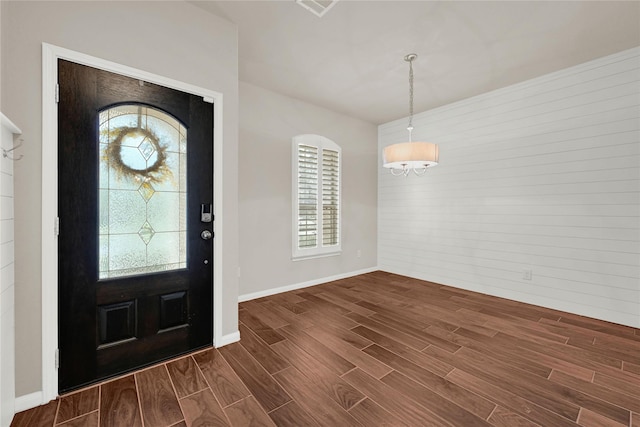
172, 39
542, 175
268, 122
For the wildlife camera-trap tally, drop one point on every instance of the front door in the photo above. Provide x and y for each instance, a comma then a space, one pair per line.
135, 174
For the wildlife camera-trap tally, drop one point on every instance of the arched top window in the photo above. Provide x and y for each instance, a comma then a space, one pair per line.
316, 197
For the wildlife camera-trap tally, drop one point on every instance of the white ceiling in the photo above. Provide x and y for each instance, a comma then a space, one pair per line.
351, 60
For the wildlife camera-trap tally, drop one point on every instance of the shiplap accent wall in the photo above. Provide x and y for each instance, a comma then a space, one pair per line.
542, 176
7, 310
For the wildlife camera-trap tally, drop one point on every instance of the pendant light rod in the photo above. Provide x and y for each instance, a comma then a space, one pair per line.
410, 58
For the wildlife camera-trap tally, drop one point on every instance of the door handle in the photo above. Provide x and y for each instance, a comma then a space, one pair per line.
206, 235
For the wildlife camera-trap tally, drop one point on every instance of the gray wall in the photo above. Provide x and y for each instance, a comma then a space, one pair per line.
541, 176
268, 122
172, 39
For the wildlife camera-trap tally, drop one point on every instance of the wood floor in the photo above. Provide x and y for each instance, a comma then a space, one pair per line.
381, 350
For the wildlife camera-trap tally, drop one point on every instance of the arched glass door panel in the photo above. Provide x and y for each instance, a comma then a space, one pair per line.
143, 192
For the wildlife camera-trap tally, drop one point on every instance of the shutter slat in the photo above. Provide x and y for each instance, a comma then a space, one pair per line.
330, 197
307, 196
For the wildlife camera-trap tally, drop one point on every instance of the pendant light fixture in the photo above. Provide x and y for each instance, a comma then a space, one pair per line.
409, 156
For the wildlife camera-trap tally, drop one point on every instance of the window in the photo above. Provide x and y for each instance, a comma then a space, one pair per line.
316, 197
142, 191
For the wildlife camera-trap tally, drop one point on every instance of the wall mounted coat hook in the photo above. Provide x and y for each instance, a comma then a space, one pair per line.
8, 153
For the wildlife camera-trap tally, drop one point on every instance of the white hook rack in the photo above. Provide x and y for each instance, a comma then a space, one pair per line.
7, 153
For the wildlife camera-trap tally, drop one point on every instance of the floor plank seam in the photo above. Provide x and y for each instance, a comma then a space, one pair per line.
55, 418
550, 373
173, 386
75, 418
233, 403
201, 372
99, 405
281, 406
135, 381
345, 373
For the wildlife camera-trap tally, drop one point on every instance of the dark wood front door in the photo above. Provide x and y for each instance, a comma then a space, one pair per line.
135, 172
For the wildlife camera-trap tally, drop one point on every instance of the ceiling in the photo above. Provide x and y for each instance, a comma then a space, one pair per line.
352, 59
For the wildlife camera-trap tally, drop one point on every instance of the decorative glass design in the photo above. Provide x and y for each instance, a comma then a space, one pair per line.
143, 193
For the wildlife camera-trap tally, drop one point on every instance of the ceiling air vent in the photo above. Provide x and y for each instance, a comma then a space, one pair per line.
317, 7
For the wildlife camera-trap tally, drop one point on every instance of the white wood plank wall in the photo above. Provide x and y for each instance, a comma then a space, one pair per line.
7, 309
542, 176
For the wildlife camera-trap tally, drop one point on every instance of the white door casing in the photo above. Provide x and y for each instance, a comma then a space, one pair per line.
50, 56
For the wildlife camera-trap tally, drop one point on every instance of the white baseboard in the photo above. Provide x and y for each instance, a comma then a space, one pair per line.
287, 288
228, 339
28, 401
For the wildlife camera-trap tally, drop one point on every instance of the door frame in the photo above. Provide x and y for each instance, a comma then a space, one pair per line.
49, 240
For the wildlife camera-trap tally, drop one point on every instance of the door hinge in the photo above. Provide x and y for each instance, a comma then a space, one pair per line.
56, 226
57, 93
57, 356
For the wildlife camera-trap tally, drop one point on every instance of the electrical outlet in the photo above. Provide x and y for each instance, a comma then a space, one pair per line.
527, 274
358, 253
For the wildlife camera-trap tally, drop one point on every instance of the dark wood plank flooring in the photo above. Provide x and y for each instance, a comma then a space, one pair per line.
381, 350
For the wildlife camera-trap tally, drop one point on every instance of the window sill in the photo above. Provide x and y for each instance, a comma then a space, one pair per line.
312, 256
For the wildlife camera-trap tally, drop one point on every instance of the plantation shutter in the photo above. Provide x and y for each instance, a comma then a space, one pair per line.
316, 197
330, 197
307, 196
